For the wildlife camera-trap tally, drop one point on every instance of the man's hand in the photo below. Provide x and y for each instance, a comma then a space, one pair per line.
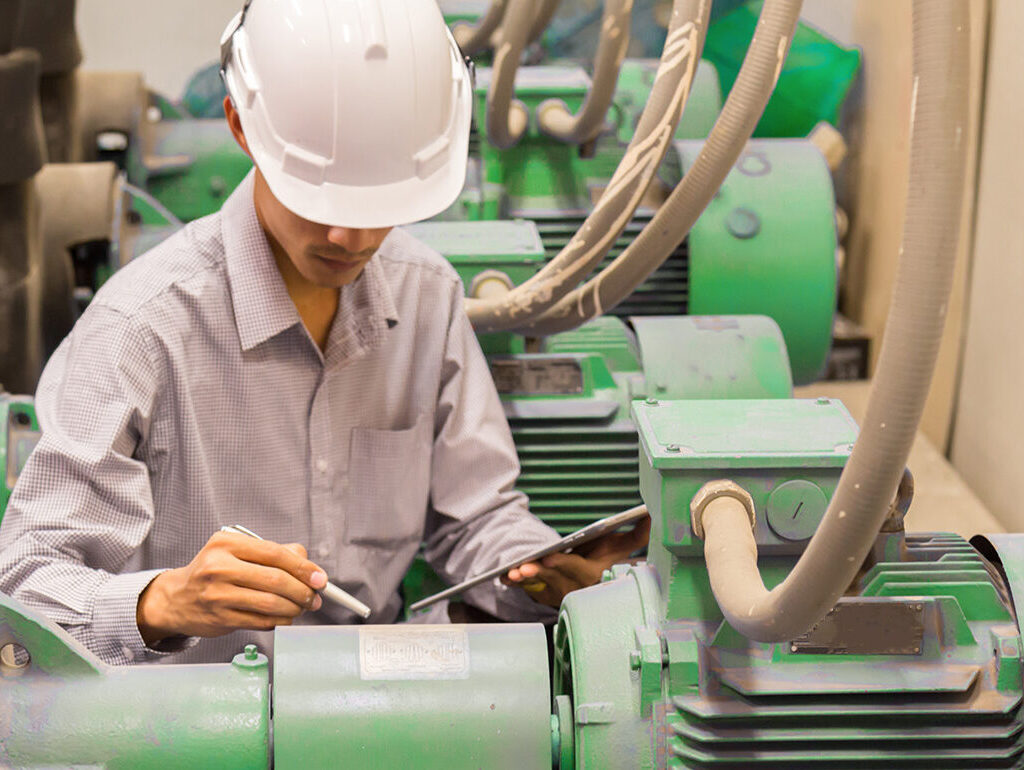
234, 582
556, 575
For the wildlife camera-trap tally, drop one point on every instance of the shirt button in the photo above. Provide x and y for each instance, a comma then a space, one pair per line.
321, 465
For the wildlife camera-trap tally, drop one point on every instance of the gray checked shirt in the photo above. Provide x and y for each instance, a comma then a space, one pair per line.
190, 396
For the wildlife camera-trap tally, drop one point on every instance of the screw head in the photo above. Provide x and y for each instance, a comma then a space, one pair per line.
651, 401
743, 223
672, 447
251, 652
634, 660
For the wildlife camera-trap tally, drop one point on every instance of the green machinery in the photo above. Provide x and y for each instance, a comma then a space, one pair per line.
918, 666
19, 433
567, 396
769, 236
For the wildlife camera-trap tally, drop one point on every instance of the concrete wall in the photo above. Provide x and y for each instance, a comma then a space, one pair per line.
987, 442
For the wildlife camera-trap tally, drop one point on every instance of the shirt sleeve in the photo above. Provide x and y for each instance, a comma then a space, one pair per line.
478, 520
83, 506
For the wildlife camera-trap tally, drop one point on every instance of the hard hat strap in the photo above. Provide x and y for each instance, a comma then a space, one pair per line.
227, 45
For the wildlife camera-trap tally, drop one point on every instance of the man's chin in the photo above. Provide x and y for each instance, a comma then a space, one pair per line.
336, 273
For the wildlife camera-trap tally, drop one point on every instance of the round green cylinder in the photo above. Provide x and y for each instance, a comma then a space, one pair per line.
412, 696
766, 245
139, 717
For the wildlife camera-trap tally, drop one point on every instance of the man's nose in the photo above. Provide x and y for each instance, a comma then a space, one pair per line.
353, 240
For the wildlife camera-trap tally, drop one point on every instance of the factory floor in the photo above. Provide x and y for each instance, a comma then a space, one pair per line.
942, 500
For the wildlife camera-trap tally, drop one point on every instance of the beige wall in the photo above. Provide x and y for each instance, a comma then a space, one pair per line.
166, 41
988, 440
878, 169
169, 41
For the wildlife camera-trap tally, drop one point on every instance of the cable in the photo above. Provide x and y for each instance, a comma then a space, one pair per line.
909, 349
161, 209
627, 187
676, 216
554, 116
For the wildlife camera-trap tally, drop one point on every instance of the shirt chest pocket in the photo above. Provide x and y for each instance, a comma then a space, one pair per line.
388, 484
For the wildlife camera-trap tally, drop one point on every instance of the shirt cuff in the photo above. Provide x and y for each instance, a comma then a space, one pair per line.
115, 624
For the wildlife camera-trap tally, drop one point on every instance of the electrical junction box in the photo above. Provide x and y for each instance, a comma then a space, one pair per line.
788, 454
535, 85
512, 247
510, 250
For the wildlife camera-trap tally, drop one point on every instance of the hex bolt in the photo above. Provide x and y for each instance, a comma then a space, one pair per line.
251, 652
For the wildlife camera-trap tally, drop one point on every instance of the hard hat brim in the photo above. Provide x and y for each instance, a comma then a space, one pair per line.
388, 205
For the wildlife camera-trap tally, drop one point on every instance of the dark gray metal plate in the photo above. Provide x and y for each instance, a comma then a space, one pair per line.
866, 627
537, 377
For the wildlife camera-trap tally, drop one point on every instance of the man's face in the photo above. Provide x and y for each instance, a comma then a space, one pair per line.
329, 257
325, 256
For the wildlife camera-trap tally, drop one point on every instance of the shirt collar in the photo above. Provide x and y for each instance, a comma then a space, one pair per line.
366, 310
263, 308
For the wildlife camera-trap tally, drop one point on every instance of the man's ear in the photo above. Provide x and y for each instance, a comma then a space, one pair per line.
235, 124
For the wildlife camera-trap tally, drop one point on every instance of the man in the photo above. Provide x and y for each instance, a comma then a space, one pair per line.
291, 364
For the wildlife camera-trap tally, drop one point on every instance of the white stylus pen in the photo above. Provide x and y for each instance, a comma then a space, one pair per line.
329, 591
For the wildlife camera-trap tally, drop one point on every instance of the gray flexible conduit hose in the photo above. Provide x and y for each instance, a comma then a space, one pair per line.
912, 335
507, 117
683, 45
472, 40
554, 116
672, 222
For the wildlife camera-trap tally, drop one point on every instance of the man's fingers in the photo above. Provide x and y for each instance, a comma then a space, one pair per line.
251, 621
641, 534
274, 581
297, 548
272, 554
262, 603
573, 566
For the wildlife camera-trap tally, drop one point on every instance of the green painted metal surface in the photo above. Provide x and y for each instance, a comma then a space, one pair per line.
65, 708
766, 245
538, 166
19, 433
412, 696
726, 357
636, 79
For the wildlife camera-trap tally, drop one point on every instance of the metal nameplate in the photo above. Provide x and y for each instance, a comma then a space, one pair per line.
413, 653
537, 377
859, 627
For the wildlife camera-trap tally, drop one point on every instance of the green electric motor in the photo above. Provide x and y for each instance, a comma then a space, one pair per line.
918, 665
440, 697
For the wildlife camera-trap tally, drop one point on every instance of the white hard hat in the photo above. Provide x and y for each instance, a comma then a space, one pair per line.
357, 112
